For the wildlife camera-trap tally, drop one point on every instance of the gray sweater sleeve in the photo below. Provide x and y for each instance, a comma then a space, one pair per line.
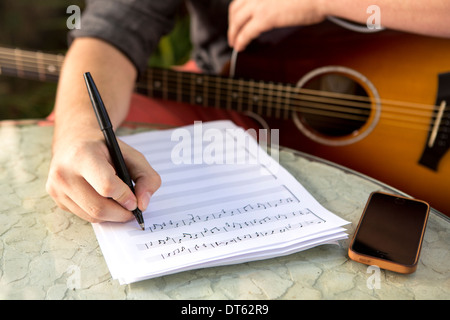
132, 26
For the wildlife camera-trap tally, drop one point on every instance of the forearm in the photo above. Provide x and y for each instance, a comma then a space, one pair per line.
82, 178
430, 17
114, 75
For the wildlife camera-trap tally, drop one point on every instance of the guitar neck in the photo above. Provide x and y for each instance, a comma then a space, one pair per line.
30, 65
264, 98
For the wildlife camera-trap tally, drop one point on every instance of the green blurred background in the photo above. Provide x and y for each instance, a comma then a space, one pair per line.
41, 26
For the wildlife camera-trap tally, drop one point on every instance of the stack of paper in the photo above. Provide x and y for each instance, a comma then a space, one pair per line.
223, 200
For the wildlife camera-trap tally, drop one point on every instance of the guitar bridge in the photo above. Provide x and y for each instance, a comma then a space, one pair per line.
438, 139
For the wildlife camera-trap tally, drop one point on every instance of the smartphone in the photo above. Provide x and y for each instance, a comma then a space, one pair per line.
390, 232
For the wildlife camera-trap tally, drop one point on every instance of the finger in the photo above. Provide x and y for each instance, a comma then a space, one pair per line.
64, 201
73, 192
146, 179
239, 14
93, 206
101, 175
251, 30
66, 204
145, 187
236, 5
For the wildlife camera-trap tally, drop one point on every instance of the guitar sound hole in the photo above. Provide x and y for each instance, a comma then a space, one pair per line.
337, 107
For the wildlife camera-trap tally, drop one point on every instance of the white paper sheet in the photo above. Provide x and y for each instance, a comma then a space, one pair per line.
215, 207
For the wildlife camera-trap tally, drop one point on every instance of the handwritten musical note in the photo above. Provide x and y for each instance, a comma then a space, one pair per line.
191, 219
227, 242
300, 219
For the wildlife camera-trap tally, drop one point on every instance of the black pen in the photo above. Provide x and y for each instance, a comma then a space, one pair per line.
110, 139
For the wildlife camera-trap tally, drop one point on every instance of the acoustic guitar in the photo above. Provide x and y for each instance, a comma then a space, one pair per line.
377, 103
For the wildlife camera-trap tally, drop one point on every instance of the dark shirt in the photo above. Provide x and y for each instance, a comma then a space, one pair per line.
136, 26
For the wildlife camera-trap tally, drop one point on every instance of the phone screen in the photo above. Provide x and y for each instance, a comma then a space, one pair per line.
391, 228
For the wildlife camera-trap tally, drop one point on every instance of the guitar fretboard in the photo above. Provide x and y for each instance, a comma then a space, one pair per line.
267, 99
264, 98
30, 65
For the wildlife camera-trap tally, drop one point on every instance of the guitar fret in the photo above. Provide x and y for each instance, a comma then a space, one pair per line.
19, 63
40, 66
179, 79
270, 106
56, 69
179, 90
195, 97
239, 95
250, 97
187, 97
164, 85
218, 87
287, 101
260, 101
278, 103
192, 87
205, 81
229, 94
150, 83
199, 99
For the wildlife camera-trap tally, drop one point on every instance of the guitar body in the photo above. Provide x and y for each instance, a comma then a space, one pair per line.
402, 67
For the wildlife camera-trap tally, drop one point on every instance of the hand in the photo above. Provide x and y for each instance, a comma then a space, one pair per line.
82, 180
249, 18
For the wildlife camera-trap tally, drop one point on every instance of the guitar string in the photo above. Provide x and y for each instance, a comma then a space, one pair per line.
308, 109
274, 90
304, 94
301, 94
35, 58
294, 89
314, 94
328, 112
312, 108
301, 106
58, 63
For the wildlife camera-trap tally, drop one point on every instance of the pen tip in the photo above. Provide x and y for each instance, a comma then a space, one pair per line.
142, 226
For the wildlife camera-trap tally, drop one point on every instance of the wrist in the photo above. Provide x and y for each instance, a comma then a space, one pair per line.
68, 134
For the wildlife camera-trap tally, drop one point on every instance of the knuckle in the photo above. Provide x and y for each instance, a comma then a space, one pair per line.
140, 156
153, 181
107, 189
96, 213
158, 180
74, 152
49, 187
56, 175
55, 178
92, 219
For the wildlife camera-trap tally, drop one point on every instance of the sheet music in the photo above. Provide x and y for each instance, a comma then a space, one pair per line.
208, 214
